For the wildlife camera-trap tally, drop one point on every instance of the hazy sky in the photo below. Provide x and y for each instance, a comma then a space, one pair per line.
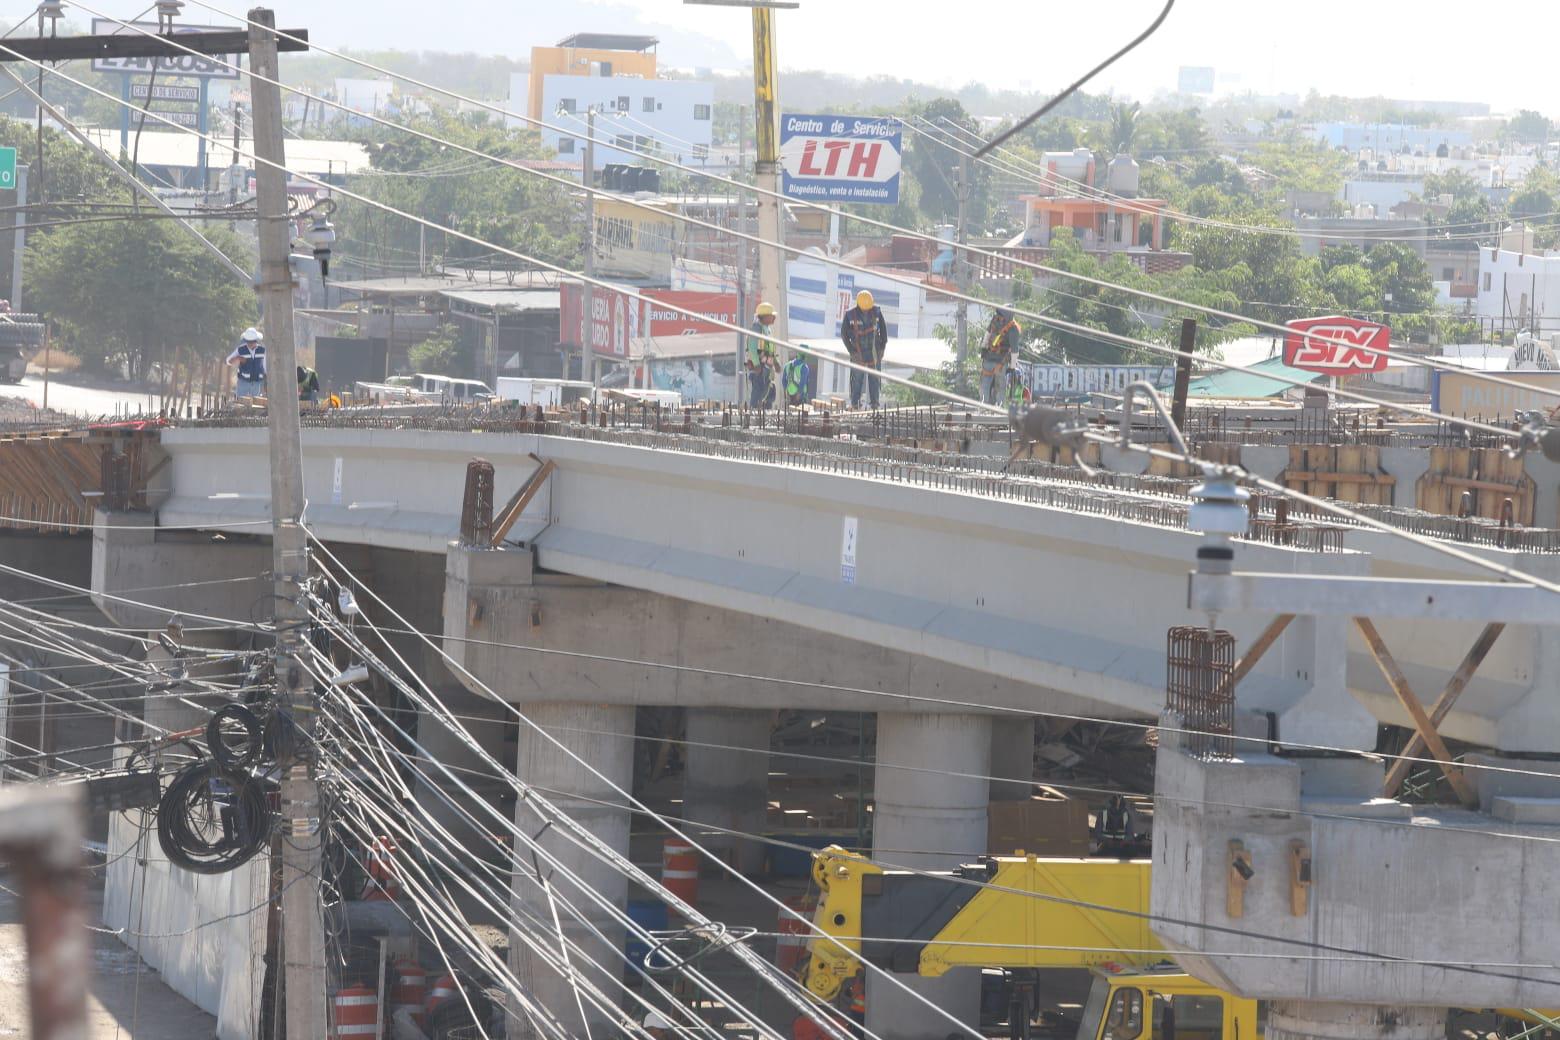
1417, 49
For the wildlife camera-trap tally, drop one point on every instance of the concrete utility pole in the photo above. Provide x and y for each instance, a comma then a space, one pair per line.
303, 936
588, 297
961, 276
19, 242
766, 168
742, 251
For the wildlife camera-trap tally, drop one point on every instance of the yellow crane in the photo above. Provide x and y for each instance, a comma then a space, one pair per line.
927, 923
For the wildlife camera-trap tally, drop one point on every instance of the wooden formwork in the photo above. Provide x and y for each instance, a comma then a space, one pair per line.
1346, 472
52, 481
1486, 475
1224, 453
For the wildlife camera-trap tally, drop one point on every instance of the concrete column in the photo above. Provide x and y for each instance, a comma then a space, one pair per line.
1013, 757
728, 788
1311, 1020
929, 821
608, 747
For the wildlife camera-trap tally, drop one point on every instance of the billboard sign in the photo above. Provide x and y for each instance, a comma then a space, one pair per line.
613, 319
1085, 379
663, 321
840, 158
164, 92
1336, 345
180, 64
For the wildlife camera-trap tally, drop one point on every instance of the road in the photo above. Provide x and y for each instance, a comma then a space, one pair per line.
75, 400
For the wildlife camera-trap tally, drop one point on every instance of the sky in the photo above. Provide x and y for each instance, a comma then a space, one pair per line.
1409, 49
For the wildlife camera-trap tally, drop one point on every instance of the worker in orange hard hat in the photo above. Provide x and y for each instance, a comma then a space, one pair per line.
760, 359
856, 1004
865, 333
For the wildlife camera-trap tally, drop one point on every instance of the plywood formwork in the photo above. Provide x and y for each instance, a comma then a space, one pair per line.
1346, 472
1486, 475
52, 481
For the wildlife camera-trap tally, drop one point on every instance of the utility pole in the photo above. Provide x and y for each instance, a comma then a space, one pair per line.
962, 278
1183, 372
303, 936
588, 296
742, 252
766, 168
19, 242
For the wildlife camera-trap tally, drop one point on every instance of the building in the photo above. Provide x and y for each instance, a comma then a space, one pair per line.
1381, 190
616, 76
1194, 79
1390, 138
1363, 233
1519, 289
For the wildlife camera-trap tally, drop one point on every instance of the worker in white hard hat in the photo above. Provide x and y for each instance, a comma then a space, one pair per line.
658, 1026
865, 333
249, 356
761, 360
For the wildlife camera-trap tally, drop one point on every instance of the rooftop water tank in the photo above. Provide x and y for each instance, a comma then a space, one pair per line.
1121, 176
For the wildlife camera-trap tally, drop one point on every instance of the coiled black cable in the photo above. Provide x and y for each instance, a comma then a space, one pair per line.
210, 823
234, 758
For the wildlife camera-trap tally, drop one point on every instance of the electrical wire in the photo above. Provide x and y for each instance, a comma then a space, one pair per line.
823, 356
1013, 261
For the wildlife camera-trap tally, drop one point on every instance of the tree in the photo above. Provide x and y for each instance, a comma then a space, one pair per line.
1123, 127
1528, 127
933, 165
130, 290
439, 354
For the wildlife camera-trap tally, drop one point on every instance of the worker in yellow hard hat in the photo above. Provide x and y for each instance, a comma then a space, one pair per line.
761, 360
865, 332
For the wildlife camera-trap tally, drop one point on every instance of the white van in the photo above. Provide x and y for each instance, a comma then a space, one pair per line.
452, 391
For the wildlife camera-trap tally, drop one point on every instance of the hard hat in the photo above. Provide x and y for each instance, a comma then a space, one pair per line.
765, 310
656, 1020
252, 335
864, 300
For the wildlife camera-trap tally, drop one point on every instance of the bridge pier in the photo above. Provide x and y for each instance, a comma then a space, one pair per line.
175, 572
1310, 1020
602, 736
927, 819
728, 788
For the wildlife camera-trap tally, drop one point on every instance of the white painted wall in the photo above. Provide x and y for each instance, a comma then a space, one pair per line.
205, 934
1515, 276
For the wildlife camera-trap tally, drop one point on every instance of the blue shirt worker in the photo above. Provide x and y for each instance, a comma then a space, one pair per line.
249, 356
796, 377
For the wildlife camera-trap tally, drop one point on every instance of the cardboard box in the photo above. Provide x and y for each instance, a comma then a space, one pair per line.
1057, 827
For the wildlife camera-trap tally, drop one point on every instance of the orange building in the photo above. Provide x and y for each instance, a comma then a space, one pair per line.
1096, 223
590, 54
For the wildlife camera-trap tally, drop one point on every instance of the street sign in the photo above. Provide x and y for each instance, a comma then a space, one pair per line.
840, 158
182, 64
1336, 345
7, 169
162, 92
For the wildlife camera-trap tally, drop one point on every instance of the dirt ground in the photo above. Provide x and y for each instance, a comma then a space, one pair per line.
127, 1001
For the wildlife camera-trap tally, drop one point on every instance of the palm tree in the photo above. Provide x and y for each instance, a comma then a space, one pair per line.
1123, 126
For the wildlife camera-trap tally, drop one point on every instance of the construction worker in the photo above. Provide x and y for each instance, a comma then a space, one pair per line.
308, 386
796, 378
865, 333
249, 356
658, 1026
762, 361
1018, 396
997, 353
856, 1004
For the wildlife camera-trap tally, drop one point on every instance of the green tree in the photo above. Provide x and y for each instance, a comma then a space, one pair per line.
130, 290
1528, 127
933, 166
439, 354
1122, 131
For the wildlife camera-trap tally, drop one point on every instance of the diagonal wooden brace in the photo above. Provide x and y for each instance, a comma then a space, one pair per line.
522, 498
1405, 694
1253, 654
1443, 705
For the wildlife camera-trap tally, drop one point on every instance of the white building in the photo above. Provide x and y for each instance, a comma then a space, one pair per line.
1523, 288
673, 118
372, 96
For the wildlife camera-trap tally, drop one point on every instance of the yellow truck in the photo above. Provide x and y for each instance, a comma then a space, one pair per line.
927, 923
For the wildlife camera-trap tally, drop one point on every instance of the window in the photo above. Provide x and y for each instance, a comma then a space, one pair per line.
624, 103
624, 140
701, 152
565, 146
1188, 1016
1486, 281
1125, 1021
649, 104
568, 104
1448, 275
701, 112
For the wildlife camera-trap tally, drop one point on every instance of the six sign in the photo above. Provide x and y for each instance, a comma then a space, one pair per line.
1336, 345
